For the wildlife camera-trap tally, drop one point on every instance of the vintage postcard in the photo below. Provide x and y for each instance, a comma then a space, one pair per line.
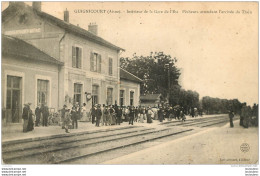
129, 83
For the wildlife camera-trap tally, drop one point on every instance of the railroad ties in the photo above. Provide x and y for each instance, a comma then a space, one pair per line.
200, 122
73, 147
93, 147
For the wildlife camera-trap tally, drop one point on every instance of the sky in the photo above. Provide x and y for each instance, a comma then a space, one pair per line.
217, 52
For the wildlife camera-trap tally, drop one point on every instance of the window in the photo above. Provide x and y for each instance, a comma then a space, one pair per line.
132, 98
42, 91
77, 93
109, 96
122, 94
110, 66
76, 57
94, 94
95, 62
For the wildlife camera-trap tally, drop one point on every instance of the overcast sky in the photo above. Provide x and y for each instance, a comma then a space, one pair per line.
218, 53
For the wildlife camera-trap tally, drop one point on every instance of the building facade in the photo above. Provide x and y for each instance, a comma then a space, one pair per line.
91, 64
71, 64
28, 75
129, 89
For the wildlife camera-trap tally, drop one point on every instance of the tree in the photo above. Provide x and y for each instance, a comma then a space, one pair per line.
158, 71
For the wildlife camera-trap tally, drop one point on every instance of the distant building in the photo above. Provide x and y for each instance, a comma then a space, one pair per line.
152, 100
129, 94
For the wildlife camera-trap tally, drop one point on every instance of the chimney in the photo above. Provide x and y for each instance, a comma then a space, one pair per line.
93, 28
66, 16
37, 5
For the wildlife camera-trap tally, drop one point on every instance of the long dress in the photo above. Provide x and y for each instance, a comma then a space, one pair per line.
149, 116
30, 126
84, 114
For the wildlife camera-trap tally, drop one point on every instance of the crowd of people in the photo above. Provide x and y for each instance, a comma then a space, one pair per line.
106, 115
40, 111
248, 116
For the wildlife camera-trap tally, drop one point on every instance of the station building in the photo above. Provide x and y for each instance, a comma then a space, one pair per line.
70, 64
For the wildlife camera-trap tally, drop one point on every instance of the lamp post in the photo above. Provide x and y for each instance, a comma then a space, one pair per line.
169, 83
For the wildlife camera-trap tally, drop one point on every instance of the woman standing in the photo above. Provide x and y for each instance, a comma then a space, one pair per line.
84, 112
149, 115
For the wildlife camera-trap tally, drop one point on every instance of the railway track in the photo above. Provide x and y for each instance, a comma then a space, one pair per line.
199, 122
89, 146
49, 152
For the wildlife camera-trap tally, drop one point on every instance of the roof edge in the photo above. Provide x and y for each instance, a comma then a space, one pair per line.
132, 74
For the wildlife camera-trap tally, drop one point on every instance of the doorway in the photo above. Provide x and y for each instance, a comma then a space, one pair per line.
13, 99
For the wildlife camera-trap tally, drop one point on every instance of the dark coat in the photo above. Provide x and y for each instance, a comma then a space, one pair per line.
25, 115
38, 112
98, 113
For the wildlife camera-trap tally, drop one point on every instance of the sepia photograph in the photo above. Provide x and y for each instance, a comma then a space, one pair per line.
129, 83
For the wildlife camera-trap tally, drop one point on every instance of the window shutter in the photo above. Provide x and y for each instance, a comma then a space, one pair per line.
73, 56
99, 63
79, 57
110, 66
91, 61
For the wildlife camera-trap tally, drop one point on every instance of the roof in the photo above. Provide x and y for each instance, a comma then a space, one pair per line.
150, 97
65, 25
129, 76
17, 47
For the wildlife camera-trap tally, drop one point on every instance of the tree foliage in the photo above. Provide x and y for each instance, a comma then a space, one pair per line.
160, 75
155, 70
219, 106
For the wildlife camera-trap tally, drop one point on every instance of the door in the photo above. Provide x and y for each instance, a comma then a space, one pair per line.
13, 99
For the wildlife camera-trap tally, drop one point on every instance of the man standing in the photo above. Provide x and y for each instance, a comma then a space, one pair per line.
231, 115
93, 113
118, 115
98, 115
45, 114
38, 115
132, 115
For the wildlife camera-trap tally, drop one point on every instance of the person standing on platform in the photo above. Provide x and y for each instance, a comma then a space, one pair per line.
160, 114
74, 117
67, 120
45, 115
84, 112
231, 115
102, 121
98, 115
106, 115
38, 115
27, 118
149, 115
93, 113
131, 115
63, 111
119, 115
